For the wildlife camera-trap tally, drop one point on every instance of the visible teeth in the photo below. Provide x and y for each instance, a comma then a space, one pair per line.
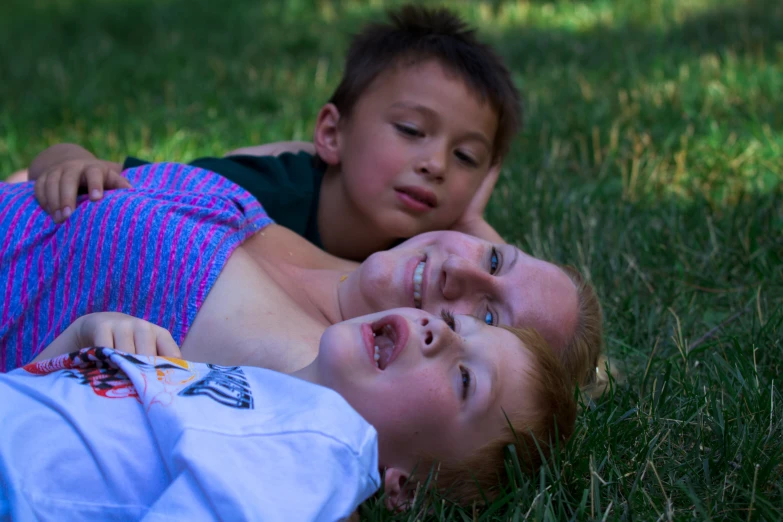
417, 278
377, 356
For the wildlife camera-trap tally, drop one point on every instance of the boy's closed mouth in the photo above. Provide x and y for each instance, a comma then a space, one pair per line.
416, 198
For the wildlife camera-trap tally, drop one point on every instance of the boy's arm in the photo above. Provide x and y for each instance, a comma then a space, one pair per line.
275, 149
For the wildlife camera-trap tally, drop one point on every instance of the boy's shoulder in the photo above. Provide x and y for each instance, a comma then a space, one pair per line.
299, 171
288, 186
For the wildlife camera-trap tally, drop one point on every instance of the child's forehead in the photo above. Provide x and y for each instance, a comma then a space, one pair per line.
429, 87
437, 72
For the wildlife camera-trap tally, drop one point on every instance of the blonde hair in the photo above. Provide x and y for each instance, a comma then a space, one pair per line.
533, 432
580, 357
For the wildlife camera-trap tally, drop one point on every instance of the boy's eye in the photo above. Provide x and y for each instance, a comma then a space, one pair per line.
494, 261
489, 318
448, 318
465, 382
466, 158
408, 130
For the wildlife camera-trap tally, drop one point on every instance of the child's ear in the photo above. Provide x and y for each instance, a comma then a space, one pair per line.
397, 493
327, 135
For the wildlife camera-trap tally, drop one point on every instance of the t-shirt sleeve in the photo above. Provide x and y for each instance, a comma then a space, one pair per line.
284, 476
284, 185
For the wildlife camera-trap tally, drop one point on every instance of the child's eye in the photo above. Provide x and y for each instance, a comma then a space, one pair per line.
489, 318
466, 158
448, 318
494, 261
408, 130
465, 382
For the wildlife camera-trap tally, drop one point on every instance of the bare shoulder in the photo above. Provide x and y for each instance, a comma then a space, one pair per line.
277, 244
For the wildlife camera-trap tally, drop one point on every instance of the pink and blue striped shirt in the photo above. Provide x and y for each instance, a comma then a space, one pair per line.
153, 252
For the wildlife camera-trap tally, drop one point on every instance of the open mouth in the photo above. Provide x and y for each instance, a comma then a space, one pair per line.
418, 278
390, 335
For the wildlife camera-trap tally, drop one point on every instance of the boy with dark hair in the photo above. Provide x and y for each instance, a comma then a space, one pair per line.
411, 141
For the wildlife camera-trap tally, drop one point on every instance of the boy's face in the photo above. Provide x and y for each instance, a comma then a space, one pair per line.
415, 149
434, 391
499, 284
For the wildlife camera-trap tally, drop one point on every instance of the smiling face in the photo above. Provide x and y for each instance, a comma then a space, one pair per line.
414, 149
439, 387
499, 284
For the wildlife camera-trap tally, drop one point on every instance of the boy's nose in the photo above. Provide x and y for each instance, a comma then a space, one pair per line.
461, 278
433, 164
436, 337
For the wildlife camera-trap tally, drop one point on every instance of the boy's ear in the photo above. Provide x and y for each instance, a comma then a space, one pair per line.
396, 491
327, 135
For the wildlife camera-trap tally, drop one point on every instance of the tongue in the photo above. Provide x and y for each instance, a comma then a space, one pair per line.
385, 348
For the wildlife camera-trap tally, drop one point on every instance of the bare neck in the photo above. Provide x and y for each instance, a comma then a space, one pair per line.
345, 231
310, 276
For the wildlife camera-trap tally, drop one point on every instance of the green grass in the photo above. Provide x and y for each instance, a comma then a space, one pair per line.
650, 159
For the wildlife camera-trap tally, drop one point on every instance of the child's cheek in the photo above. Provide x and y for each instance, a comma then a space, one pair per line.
429, 398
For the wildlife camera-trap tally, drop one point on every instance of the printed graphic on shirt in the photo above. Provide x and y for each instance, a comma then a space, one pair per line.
92, 368
95, 367
224, 384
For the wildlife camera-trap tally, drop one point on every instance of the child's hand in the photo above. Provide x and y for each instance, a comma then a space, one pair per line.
474, 212
124, 333
57, 187
113, 330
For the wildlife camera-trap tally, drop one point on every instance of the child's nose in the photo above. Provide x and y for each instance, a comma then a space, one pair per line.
433, 164
437, 337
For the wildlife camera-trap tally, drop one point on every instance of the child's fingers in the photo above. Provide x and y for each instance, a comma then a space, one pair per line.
40, 192
69, 188
95, 332
95, 182
115, 180
167, 347
53, 195
103, 337
144, 339
124, 337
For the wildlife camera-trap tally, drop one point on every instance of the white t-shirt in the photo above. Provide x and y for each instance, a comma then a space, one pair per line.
103, 435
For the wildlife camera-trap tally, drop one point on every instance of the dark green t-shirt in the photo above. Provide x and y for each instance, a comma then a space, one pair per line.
288, 186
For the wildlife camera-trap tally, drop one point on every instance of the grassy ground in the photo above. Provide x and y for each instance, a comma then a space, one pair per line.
651, 159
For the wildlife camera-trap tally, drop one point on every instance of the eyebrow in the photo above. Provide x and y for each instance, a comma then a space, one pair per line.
494, 387
474, 135
493, 379
513, 261
485, 405
508, 268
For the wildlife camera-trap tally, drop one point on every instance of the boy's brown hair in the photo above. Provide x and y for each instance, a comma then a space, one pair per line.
533, 432
415, 34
